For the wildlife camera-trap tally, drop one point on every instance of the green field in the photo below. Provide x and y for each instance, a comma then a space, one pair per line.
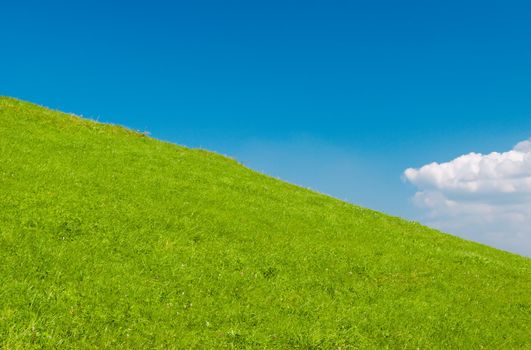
112, 239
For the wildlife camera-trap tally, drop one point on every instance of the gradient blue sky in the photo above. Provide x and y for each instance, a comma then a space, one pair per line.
338, 96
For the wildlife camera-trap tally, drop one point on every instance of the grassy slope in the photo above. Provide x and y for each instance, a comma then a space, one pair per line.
112, 239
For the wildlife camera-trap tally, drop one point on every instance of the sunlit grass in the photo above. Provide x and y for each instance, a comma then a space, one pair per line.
111, 239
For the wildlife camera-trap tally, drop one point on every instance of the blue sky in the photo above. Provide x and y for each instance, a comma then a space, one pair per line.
338, 96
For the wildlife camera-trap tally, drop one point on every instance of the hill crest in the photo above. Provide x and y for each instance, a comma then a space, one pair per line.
111, 238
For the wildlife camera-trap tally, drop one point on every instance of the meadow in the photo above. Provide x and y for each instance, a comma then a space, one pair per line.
111, 239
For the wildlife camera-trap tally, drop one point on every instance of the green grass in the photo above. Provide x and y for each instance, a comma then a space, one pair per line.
111, 239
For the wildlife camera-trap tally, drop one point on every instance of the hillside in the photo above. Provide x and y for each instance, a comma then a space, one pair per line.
112, 239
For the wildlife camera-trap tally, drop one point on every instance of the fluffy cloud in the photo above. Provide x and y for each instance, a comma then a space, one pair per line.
486, 198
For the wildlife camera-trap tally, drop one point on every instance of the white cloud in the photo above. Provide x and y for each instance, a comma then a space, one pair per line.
486, 198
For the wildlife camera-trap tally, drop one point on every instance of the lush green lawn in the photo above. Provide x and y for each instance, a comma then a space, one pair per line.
111, 239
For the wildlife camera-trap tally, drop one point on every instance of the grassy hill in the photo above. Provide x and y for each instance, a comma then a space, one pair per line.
111, 239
